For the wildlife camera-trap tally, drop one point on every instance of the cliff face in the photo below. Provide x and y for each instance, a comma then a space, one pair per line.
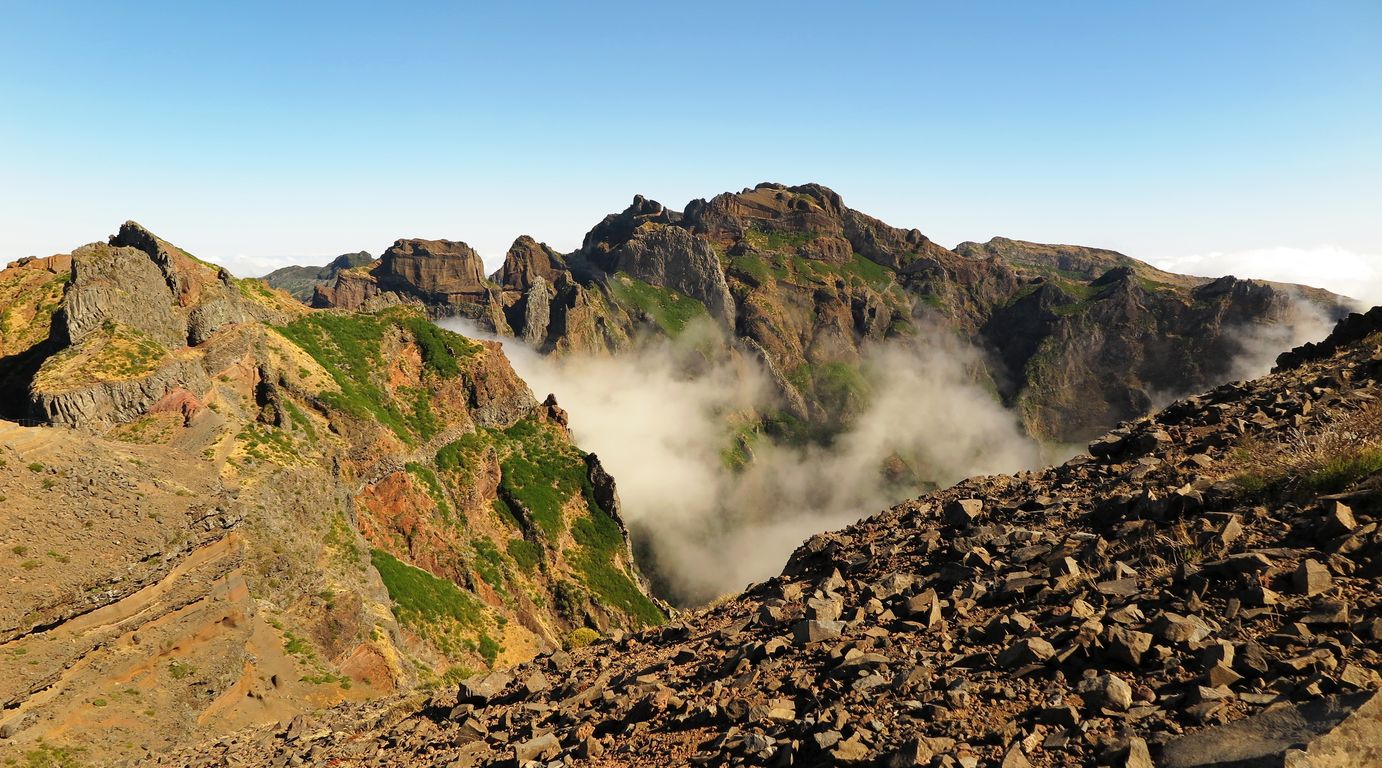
439, 273
1200, 589
1079, 338
244, 509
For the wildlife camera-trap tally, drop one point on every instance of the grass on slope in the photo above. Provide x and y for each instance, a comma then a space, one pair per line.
116, 352
1346, 450
542, 472
672, 311
433, 607
428, 478
28, 298
348, 347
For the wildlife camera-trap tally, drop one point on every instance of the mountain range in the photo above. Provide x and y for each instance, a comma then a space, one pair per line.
296, 521
1076, 339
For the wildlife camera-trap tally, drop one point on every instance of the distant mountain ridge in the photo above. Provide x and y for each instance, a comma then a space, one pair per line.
299, 282
1078, 338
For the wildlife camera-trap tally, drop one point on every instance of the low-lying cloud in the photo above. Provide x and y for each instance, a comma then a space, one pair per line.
660, 422
1347, 273
1260, 344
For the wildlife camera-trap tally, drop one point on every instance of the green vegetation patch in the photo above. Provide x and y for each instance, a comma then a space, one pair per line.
50, 756
347, 346
435, 608
489, 564
267, 444
29, 302
764, 239
601, 542
670, 310
525, 554
421, 598
541, 471
1342, 471
840, 387
116, 352
442, 350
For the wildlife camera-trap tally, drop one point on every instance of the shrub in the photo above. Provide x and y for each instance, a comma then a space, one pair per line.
580, 638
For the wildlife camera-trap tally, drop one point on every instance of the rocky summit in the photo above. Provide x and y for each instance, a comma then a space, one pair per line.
1075, 339
1198, 589
221, 508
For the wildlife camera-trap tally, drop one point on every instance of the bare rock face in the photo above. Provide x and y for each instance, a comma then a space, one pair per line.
120, 400
436, 270
673, 258
302, 282
527, 261
537, 311
1075, 339
1333, 732
121, 285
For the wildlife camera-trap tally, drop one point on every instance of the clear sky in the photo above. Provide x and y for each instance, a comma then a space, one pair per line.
258, 133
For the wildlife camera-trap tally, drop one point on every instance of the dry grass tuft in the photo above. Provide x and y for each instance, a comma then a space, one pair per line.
1344, 450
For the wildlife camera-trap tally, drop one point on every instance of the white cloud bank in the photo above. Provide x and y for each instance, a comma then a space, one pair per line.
702, 529
1345, 272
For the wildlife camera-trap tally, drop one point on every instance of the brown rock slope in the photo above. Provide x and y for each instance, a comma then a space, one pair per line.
1200, 589
1080, 338
240, 509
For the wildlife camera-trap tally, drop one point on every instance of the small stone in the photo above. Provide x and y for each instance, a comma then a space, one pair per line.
1175, 628
961, 513
1066, 566
1016, 758
1339, 520
1139, 756
1026, 651
812, 631
481, 688
1311, 578
1107, 691
828, 608
1328, 612
1128, 645
543, 747
536, 683
1222, 674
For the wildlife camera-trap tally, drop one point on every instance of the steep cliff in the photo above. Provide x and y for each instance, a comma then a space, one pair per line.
243, 509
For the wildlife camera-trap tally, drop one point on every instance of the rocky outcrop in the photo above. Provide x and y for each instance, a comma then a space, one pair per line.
671, 257
255, 519
121, 400
434, 270
1354, 328
122, 285
526, 262
128, 311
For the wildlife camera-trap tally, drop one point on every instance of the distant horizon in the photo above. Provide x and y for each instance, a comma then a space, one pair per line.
1234, 134
1352, 275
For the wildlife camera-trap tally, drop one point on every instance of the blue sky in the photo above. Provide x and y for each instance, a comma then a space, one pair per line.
257, 133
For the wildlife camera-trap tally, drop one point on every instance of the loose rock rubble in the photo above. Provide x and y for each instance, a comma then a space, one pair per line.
1129, 608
